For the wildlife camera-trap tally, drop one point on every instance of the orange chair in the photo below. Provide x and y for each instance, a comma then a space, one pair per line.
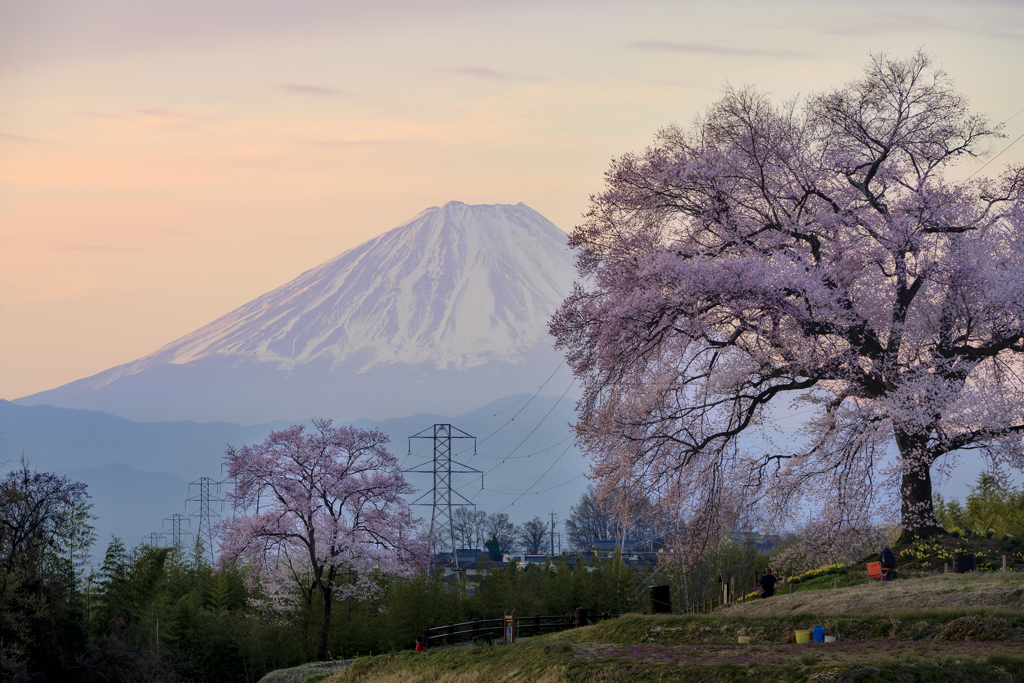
876, 572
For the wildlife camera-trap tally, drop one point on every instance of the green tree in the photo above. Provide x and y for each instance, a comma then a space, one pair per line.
991, 508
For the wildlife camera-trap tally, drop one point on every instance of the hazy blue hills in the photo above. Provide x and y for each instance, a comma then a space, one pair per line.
138, 473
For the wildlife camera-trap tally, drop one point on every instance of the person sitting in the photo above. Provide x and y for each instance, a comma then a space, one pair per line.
887, 558
767, 584
420, 647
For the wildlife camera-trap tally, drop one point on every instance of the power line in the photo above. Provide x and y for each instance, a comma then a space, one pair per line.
528, 455
532, 396
538, 479
523, 493
996, 156
497, 465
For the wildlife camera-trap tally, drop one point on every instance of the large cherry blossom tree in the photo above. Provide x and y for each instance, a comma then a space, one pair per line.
322, 512
815, 257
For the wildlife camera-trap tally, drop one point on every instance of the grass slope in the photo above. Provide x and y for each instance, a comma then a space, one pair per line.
941, 628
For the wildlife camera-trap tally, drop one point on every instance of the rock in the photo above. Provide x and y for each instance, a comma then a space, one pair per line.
298, 674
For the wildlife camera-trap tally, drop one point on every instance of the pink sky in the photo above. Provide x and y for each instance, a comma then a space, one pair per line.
164, 163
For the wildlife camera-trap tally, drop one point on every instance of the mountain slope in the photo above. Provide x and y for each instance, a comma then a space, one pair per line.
445, 312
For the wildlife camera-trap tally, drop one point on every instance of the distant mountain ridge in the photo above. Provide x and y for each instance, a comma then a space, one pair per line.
444, 313
138, 473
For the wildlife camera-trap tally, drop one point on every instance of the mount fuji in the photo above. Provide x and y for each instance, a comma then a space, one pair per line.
442, 314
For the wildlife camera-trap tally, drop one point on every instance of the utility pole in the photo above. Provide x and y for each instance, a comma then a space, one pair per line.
552, 534
442, 531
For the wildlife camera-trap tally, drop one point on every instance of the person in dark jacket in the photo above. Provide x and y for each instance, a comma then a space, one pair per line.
887, 558
767, 584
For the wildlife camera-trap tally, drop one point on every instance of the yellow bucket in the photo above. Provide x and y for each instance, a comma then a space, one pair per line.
803, 637
744, 640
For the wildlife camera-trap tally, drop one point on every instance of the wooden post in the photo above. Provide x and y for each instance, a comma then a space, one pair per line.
451, 633
1004, 562
536, 624
508, 627
426, 637
732, 590
790, 589
581, 616
945, 567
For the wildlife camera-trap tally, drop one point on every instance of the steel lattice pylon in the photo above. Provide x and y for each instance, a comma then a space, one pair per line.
176, 529
442, 534
155, 539
205, 513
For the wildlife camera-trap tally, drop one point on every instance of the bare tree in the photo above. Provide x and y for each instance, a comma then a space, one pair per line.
468, 523
595, 518
532, 535
497, 527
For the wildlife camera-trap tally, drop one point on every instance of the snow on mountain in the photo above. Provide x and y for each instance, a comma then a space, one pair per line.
451, 306
456, 286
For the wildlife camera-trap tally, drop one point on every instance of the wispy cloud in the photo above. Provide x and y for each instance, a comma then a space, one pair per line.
900, 23
313, 90
11, 137
335, 144
708, 49
170, 119
96, 249
487, 74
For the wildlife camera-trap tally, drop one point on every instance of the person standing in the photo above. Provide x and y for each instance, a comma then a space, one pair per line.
888, 561
767, 584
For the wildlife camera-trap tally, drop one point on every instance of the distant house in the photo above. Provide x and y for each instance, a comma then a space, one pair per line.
468, 562
752, 539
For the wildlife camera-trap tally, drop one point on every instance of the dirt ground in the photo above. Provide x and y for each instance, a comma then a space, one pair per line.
943, 591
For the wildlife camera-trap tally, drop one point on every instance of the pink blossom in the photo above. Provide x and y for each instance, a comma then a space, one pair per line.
320, 512
812, 255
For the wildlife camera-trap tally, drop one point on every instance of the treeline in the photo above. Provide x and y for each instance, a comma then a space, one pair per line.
992, 509
166, 614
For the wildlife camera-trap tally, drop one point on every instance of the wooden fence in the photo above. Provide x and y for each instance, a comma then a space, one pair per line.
487, 629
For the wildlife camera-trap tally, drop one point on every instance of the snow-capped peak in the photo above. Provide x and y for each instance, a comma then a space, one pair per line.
455, 287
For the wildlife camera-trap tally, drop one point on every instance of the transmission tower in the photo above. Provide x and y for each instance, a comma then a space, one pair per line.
155, 539
206, 514
176, 529
442, 533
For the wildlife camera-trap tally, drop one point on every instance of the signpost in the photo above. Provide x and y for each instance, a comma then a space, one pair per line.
508, 627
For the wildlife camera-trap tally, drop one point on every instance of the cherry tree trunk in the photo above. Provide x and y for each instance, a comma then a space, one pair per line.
325, 623
917, 514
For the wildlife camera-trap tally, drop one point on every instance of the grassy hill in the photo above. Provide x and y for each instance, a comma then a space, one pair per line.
962, 628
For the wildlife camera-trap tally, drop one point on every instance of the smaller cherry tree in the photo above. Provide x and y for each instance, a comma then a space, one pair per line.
322, 513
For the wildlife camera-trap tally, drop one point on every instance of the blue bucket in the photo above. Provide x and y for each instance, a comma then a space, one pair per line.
818, 634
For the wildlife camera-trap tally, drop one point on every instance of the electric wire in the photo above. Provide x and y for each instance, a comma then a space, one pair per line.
1004, 149
497, 465
488, 417
996, 156
512, 419
550, 467
528, 455
550, 488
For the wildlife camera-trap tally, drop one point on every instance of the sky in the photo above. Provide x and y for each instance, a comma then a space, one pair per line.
164, 163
